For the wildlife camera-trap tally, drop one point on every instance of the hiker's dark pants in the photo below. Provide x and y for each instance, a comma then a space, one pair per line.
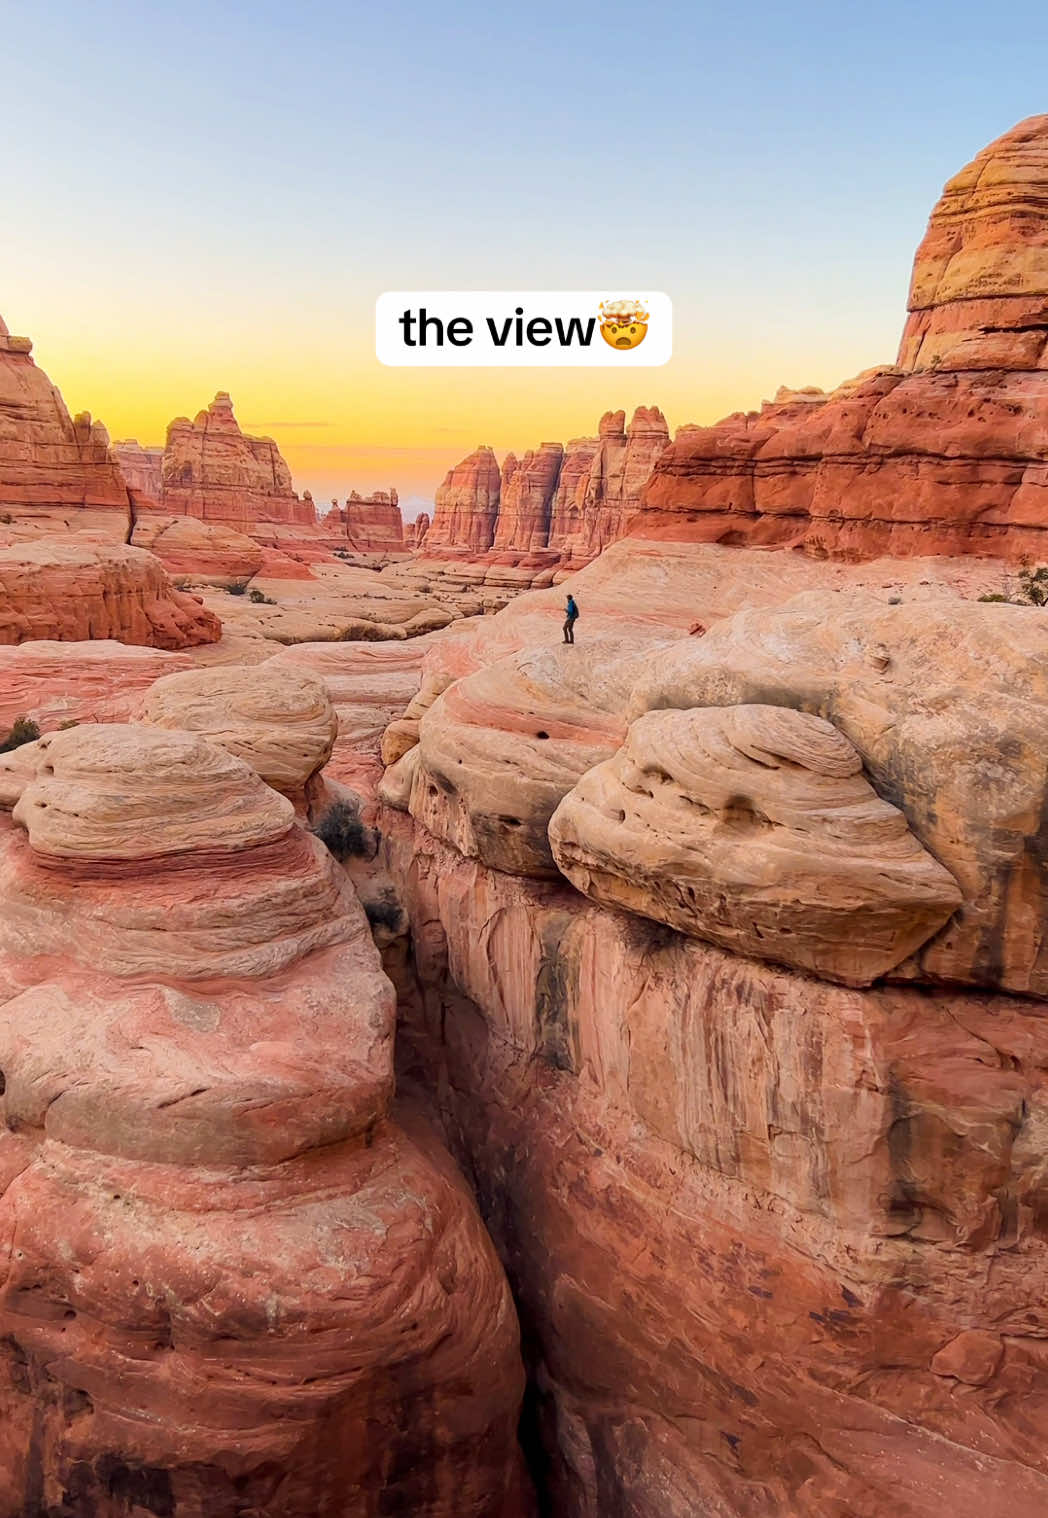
569, 629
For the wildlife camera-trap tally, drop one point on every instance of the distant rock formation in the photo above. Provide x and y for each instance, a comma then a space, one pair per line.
526, 499
142, 469
367, 523
466, 506
570, 501
597, 508
945, 452
415, 532
48, 459
214, 471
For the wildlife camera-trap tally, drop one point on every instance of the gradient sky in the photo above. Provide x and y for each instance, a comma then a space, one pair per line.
211, 196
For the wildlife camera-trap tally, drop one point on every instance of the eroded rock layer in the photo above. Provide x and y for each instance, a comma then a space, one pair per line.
947, 453
71, 589
228, 1281
776, 1242
214, 471
48, 459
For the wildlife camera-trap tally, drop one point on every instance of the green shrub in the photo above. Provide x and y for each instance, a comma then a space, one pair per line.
260, 599
23, 731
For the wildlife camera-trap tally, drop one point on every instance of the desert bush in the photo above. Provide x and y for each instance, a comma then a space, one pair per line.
237, 588
260, 599
341, 830
384, 913
24, 730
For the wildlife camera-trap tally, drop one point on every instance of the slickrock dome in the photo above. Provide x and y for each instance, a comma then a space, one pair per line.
754, 828
126, 792
277, 720
979, 292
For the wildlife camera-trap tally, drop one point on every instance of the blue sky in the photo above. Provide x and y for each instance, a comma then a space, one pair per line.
211, 196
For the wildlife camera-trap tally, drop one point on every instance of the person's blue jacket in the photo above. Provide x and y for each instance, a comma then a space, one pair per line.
572, 610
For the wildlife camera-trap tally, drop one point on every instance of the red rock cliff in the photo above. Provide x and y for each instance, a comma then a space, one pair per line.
527, 499
466, 505
368, 524
48, 459
946, 453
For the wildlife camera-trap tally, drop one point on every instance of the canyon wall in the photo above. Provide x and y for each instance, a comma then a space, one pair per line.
755, 1110
726, 971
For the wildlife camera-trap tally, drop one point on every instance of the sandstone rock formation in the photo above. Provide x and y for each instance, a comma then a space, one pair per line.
948, 706
367, 524
416, 531
754, 828
278, 721
142, 469
230, 1283
777, 1242
70, 590
526, 499
979, 293
201, 551
565, 503
943, 454
53, 683
466, 505
48, 459
606, 498
214, 471
500, 748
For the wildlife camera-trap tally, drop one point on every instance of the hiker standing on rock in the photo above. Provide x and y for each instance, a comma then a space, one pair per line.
571, 616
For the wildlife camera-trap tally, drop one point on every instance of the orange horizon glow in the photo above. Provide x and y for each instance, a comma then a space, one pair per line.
356, 425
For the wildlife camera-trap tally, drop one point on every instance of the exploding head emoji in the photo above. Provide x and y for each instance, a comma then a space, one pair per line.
623, 323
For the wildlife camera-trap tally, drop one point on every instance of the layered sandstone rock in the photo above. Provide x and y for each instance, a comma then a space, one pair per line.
946, 453
278, 721
526, 500
777, 1241
71, 590
948, 706
205, 551
754, 828
331, 600
607, 496
500, 748
214, 471
142, 469
979, 292
47, 459
466, 505
53, 683
416, 531
568, 504
229, 1281
367, 524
